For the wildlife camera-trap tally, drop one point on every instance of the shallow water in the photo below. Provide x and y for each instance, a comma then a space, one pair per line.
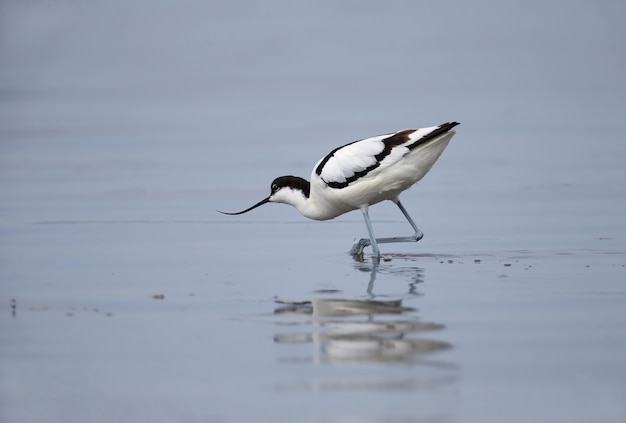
125, 296
149, 320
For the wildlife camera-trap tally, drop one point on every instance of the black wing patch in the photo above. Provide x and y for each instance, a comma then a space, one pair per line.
442, 129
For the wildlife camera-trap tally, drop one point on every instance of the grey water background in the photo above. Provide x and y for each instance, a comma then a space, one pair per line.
124, 296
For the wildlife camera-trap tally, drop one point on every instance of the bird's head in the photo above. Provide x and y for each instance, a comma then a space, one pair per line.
284, 189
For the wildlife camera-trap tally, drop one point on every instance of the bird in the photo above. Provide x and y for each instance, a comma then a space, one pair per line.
360, 174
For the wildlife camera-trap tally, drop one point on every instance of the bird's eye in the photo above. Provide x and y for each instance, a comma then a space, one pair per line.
274, 187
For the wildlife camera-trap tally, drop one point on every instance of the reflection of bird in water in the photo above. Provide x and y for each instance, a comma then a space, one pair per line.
413, 273
341, 307
361, 174
346, 339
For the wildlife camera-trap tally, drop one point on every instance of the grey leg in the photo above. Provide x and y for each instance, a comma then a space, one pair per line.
359, 245
418, 233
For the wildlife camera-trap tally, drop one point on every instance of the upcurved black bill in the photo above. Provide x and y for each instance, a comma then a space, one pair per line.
260, 203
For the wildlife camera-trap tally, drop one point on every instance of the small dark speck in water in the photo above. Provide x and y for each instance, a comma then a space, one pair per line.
476, 261
158, 297
507, 264
327, 291
450, 261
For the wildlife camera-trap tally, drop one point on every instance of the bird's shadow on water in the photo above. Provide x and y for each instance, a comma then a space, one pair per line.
370, 330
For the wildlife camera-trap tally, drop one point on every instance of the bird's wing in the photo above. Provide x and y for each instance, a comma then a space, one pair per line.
346, 164
350, 161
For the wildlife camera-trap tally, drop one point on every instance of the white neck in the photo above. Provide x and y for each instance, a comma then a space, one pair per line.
307, 206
